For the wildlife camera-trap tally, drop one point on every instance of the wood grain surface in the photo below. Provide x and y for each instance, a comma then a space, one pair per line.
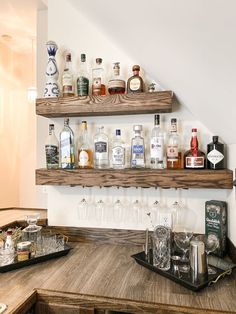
125, 104
182, 178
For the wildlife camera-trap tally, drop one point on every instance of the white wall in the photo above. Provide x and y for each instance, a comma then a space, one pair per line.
74, 31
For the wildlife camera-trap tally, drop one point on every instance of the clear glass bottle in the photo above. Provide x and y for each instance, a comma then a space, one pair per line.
82, 79
116, 84
67, 147
194, 158
215, 154
135, 83
85, 152
52, 149
98, 84
118, 152
157, 145
101, 149
67, 78
137, 148
173, 151
9, 244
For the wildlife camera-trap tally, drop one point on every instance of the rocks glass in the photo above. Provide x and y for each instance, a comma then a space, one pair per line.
161, 247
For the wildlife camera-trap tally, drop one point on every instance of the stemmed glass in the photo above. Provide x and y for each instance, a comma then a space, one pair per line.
82, 209
182, 240
211, 245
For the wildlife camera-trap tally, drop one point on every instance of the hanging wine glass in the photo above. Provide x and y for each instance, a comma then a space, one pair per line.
118, 211
82, 210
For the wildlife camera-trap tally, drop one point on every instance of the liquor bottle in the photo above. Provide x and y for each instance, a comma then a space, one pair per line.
137, 148
116, 85
67, 155
82, 80
101, 149
173, 151
67, 78
9, 244
157, 145
215, 154
135, 83
194, 158
85, 153
52, 149
118, 152
98, 86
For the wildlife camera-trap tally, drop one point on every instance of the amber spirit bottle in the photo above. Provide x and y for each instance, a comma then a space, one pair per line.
82, 80
116, 85
215, 154
67, 78
135, 83
85, 153
98, 85
194, 158
173, 151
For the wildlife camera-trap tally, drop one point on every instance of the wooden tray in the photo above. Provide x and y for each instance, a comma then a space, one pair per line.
185, 279
34, 260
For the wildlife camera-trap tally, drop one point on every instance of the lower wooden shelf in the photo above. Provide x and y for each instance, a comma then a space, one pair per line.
182, 178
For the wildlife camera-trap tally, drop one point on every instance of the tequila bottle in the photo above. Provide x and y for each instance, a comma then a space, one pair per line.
116, 85
118, 152
85, 153
98, 85
101, 149
67, 78
82, 80
157, 145
52, 149
67, 149
135, 83
137, 148
173, 151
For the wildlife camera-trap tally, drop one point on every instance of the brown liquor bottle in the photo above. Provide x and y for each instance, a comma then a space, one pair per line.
135, 83
173, 151
194, 158
98, 86
116, 85
85, 152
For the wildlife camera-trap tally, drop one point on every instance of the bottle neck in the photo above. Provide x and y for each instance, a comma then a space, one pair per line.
136, 73
137, 133
68, 66
194, 141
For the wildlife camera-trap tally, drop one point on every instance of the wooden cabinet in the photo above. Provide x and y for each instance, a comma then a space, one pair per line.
126, 104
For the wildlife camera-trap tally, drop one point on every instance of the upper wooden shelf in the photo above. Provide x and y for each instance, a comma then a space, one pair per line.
123, 104
182, 178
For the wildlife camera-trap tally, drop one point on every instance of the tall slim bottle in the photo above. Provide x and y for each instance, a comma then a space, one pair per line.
52, 149
82, 80
67, 147
67, 78
98, 84
194, 158
85, 153
173, 150
137, 148
101, 149
157, 148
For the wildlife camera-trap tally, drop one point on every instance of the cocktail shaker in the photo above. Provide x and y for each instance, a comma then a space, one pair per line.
198, 264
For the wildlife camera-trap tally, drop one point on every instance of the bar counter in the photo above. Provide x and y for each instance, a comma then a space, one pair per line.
103, 276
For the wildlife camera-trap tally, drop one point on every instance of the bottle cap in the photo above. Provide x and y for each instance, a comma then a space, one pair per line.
83, 57
118, 132
68, 57
194, 130
66, 120
84, 124
173, 120
215, 138
99, 60
9, 232
136, 67
137, 127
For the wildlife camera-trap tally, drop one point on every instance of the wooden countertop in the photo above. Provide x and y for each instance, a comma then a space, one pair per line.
107, 270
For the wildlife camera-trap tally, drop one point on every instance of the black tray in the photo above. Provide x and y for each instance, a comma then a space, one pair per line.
35, 260
185, 279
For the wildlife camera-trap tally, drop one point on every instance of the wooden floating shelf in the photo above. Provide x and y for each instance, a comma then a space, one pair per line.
182, 178
123, 104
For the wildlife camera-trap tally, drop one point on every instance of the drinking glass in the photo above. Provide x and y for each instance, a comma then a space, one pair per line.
137, 211
82, 209
153, 213
99, 210
211, 244
182, 240
118, 211
161, 247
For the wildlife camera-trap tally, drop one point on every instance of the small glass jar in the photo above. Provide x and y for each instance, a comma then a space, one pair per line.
23, 251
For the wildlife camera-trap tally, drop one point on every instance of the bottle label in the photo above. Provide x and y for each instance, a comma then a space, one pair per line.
97, 86
101, 150
52, 154
67, 84
172, 153
138, 155
83, 158
194, 162
135, 84
67, 153
82, 86
157, 148
215, 156
118, 156
116, 84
